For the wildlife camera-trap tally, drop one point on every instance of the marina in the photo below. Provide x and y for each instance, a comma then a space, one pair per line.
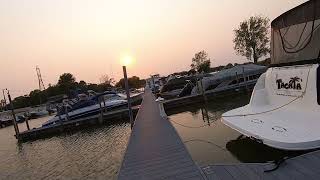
251, 113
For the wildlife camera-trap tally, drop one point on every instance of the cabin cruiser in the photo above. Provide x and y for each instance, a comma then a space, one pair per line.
173, 87
86, 106
284, 108
239, 76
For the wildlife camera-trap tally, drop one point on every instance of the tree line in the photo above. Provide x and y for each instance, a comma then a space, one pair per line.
251, 39
67, 85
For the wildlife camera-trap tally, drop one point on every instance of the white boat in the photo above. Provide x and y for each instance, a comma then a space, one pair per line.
240, 76
88, 107
284, 109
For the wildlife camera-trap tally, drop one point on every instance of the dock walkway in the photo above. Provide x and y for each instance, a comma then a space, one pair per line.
155, 150
300, 168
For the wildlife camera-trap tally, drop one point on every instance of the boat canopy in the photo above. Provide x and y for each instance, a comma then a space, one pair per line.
295, 35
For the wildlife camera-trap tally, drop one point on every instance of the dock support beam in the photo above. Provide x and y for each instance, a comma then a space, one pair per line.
101, 110
128, 94
27, 123
16, 128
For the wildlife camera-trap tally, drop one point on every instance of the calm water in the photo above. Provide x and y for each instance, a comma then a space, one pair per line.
218, 143
95, 153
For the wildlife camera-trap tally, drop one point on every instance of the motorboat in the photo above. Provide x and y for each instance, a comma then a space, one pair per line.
86, 106
37, 113
284, 107
239, 76
173, 87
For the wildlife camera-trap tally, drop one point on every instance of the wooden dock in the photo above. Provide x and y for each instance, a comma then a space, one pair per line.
212, 95
42, 132
299, 168
155, 150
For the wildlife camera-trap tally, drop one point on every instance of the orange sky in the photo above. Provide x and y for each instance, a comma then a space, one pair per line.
88, 37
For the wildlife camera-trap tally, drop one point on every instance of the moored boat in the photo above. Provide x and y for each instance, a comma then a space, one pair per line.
284, 108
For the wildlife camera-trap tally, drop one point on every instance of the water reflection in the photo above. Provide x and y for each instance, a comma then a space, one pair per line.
92, 153
209, 141
247, 150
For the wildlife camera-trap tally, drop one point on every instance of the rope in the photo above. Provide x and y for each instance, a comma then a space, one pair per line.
193, 127
277, 108
205, 141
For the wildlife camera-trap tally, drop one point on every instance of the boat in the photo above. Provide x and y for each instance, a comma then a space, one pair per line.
284, 107
37, 112
235, 78
174, 86
88, 106
5, 120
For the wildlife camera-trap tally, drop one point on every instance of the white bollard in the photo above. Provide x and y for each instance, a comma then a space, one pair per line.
161, 108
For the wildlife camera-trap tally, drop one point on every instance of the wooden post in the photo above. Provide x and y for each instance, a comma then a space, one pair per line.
203, 91
59, 114
244, 79
27, 123
16, 128
104, 104
128, 94
206, 113
101, 111
66, 112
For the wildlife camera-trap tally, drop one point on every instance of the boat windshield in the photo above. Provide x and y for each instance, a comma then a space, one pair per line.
295, 35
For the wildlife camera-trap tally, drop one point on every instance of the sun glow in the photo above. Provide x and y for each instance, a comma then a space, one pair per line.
127, 60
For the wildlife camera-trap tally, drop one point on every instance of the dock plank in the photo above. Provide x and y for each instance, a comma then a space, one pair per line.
155, 150
300, 168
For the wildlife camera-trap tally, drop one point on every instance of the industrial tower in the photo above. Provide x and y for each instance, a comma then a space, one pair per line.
41, 84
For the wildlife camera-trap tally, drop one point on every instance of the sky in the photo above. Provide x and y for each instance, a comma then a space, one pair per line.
89, 37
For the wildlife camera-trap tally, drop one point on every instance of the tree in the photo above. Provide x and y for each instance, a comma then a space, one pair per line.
66, 78
252, 38
106, 80
134, 82
201, 62
66, 82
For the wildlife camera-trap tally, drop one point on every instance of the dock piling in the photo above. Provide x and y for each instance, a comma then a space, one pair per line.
59, 114
66, 112
16, 128
128, 94
101, 110
27, 123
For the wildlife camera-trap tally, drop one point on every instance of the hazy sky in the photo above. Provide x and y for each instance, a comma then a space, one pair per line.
88, 37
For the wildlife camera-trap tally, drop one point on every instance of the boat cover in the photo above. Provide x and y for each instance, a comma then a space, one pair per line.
295, 35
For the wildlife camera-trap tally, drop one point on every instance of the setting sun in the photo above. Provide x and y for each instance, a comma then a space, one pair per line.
127, 60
